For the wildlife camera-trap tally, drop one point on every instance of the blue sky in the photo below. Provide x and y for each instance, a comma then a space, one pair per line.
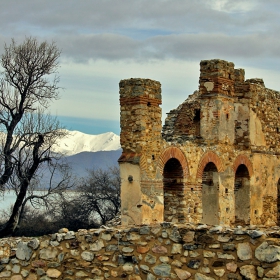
105, 41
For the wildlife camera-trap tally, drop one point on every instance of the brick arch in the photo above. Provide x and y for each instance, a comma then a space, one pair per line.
242, 159
176, 153
206, 158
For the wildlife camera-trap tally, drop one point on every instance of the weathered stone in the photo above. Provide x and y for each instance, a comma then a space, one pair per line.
69, 235
97, 245
145, 268
159, 249
193, 254
164, 259
260, 271
38, 263
231, 266
144, 230
208, 254
225, 256
133, 236
274, 273
199, 276
32, 276
16, 277
6, 274
162, 270
24, 273
53, 273
267, 253
222, 238
127, 249
53, 264
249, 272
23, 251
16, 269
150, 259
177, 263
255, 233
189, 236
244, 251
228, 247
106, 236
182, 274
219, 272
34, 243
111, 248
151, 277
40, 271
176, 249
87, 256
128, 268
48, 254
194, 264
142, 249
175, 235
81, 274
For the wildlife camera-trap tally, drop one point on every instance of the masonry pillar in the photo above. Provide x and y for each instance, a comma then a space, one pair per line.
216, 86
140, 119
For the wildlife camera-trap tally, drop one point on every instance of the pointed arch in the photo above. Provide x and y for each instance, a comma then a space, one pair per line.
205, 159
176, 153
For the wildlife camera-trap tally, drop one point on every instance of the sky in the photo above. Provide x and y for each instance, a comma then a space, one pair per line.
105, 41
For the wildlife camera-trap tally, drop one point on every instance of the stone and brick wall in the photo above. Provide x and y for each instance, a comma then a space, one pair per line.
229, 122
162, 251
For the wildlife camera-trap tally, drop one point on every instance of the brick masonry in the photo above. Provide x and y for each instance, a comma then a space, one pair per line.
227, 130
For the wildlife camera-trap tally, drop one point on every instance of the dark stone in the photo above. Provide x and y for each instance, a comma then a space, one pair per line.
144, 230
190, 247
74, 244
228, 247
165, 225
111, 248
1, 267
134, 229
194, 264
218, 264
53, 264
175, 235
89, 238
234, 276
205, 239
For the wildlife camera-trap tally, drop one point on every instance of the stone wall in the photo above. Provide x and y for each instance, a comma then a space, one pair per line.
162, 251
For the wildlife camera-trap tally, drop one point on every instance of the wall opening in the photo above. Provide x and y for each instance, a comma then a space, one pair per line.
278, 203
210, 194
196, 121
242, 195
173, 191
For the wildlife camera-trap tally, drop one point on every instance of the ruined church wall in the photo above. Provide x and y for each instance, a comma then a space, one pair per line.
162, 251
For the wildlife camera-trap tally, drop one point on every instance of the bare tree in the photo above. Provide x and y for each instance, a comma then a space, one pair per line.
28, 84
100, 194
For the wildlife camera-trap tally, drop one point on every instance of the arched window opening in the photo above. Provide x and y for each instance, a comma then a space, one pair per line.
173, 191
210, 194
242, 195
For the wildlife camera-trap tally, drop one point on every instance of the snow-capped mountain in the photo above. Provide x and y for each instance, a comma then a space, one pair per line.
77, 142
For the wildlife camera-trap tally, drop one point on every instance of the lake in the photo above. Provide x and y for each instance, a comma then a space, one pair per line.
9, 198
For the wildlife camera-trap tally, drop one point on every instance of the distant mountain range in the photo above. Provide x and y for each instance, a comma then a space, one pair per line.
76, 142
84, 151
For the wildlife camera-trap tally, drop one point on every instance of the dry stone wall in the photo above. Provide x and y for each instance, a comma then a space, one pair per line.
162, 251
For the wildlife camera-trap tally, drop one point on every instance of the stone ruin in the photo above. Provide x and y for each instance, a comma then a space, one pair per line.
216, 160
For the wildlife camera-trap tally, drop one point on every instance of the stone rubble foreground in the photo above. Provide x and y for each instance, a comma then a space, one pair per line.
162, 251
